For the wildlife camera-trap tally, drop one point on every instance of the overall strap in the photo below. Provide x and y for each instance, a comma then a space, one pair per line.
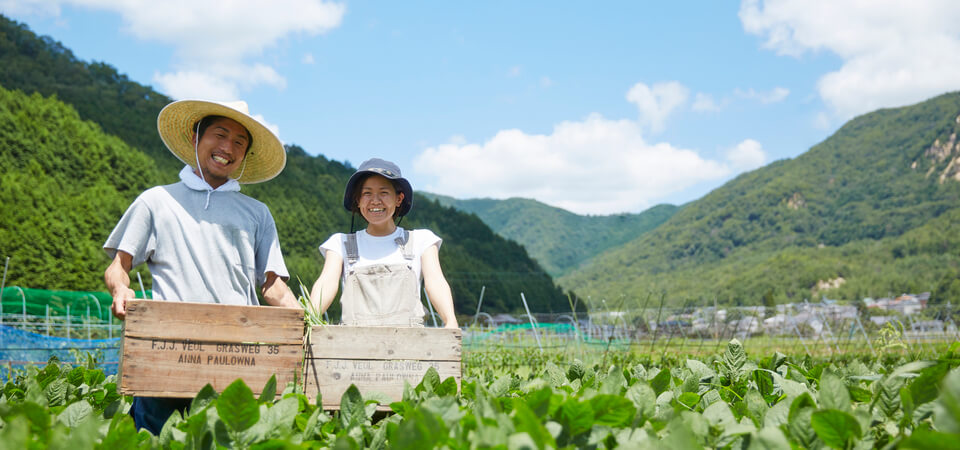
404, 243
350, 244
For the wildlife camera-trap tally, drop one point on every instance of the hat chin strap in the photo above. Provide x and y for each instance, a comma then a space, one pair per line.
196, 154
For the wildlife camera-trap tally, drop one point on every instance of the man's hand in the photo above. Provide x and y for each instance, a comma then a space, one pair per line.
117, 278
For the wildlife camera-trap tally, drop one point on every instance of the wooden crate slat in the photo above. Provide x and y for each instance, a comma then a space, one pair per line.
386, 343
152, 368
213, 322
334, 376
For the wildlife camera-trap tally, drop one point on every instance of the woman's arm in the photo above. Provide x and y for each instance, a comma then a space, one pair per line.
436, 286
325, 288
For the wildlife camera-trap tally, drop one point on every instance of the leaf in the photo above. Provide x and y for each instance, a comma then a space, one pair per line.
764, 380
777, 415
93, 378
833, 393
836, 428
237, 407
122, 433
352, 408
699, 369
925, 439
733, 360
926, 387
768, 438
612, 410
575, 416
689, 399
75, 413
660, 382
526, 421
539, 401
576, 370
756, 407
799, 403
946, 415
644, 399
418, 430
430, 382
719, 415
75, 376
203, 398
56, 392
800, 428
887, 399
448, 387
269, 391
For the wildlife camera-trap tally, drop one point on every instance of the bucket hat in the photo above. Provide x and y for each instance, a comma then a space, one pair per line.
177, 122
387, 170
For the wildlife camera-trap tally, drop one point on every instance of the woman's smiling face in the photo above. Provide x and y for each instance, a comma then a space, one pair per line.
378, 200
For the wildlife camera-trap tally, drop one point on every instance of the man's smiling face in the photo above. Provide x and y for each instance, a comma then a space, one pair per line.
221, 150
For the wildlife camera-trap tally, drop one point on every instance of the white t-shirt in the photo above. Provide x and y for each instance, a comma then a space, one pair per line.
383, 249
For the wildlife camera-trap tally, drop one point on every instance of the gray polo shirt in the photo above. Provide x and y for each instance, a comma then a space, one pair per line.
217, 254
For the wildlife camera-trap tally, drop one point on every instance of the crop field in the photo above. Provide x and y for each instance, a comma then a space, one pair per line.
512, 396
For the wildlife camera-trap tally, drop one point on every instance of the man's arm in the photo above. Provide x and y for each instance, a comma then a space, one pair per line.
276, 292
117, 278
438, 290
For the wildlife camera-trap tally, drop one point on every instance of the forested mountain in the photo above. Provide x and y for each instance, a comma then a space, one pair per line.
559, 239
82, 142
872, 209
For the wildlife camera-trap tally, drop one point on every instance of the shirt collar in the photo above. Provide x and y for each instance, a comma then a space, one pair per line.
196, 183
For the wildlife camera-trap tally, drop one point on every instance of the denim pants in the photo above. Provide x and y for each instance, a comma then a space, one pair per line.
150, 413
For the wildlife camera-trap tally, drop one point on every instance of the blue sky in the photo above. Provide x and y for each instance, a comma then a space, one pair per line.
596, 107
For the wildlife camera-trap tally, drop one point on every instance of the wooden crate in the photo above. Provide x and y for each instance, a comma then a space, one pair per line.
376, 359
173, 349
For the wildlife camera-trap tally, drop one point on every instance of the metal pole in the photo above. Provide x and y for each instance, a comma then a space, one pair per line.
24, 299
99, 309
479, 302
86, 322
535, 333
48, 319
2, 284
68, 320
860, 324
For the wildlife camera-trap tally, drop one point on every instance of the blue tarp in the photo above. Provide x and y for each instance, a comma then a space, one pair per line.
19, 349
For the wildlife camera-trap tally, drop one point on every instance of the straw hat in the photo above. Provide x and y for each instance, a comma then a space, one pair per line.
176, 123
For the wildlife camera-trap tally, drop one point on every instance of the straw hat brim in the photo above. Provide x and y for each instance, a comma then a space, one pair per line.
265, 158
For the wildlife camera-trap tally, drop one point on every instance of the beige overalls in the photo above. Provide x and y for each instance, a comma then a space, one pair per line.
381, 294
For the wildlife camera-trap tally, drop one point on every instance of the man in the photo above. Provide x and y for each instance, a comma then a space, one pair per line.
203, 240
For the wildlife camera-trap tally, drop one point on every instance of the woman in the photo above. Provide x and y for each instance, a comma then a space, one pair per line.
381, 266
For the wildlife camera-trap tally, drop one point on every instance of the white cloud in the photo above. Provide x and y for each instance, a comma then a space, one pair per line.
894, 52
29, 8
215, 43
658, 102
196, 85
747, 155
775, 95
307, 58
545, 82
593, 166
514, 71
704, 103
